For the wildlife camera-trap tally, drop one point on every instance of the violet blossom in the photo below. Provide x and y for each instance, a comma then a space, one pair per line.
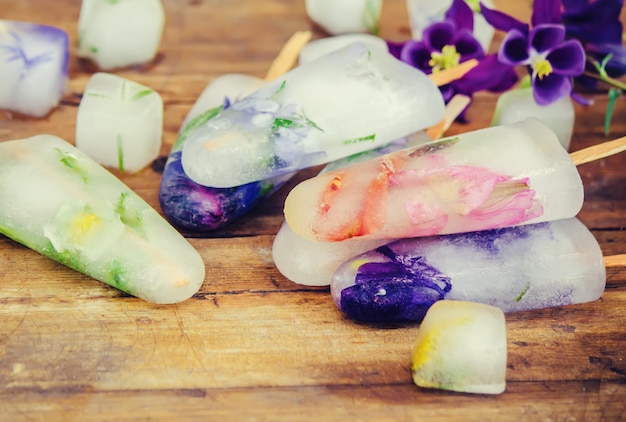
448, 43
552, 60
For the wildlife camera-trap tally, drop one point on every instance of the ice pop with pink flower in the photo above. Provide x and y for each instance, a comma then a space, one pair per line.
491, 178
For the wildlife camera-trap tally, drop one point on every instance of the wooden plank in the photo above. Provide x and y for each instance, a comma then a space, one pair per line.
251, 345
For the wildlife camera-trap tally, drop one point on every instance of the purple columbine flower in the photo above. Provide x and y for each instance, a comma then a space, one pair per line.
596, 22
552, 61
450, 42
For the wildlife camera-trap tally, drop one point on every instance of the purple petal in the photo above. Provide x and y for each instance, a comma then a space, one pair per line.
395, 48
597, 33
514, 49
582, 100
448, 91
550, 88
502, 21
575, 5
489, 75
596, 22
438, 35
468, 47
461, 14
545, 37
546, 12
568, 58
417, 55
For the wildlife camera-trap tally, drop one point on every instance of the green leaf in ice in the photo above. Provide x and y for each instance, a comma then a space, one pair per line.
139, 95
195, 123
279, 90
129, 215
368, 138
72, 163
116, 276
370, 16
522, 293
120, 152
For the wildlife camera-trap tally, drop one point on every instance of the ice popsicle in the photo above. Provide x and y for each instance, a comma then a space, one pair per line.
57, 201
312, 262
517, 268
490, 178
346, 102
197, 208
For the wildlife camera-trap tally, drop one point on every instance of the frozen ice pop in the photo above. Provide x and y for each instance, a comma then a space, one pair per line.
59, 202
490, 178
343, 103
312, 262
197, 208
517, 268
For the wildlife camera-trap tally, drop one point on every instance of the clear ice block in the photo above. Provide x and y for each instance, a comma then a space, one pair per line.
461, 346
33, 67
57, 201
516, 269
318, 48
344, 103
345, 16
496, 177
519, 104
120, 33
119, 122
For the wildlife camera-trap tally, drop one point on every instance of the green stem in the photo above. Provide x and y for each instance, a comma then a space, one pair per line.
608, 80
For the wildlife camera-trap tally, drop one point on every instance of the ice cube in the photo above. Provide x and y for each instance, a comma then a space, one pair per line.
323, 46
461, 346
115, 33
519, 104
119, 122
33, 64
345, 16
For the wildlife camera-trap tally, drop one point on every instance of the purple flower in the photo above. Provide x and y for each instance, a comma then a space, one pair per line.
448, 43
596, 22
552, 61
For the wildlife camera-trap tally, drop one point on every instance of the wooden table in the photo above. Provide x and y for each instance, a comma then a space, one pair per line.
251, 345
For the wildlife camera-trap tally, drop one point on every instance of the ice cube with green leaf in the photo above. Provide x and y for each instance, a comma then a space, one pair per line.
120, 33
119, 122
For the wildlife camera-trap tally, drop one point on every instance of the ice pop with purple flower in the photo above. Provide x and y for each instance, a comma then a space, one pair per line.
346, 102
517, 268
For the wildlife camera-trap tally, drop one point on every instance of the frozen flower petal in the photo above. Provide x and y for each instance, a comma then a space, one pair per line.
514, 49
462, 14
438, 35
545, 37
568, 58
550, 88
546, 12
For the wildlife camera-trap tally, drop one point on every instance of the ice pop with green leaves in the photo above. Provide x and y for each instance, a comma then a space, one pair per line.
57, 201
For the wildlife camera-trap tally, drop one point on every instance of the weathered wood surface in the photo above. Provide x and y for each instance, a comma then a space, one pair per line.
251, 345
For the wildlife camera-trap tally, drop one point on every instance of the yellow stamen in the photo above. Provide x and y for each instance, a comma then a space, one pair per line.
447, 59
542, 68
82, 225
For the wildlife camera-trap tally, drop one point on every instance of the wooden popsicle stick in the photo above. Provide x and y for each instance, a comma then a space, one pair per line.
446, 76
453, 109
615, 261
596, 152
288, 55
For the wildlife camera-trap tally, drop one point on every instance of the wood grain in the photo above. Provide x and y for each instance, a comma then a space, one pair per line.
251, 345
